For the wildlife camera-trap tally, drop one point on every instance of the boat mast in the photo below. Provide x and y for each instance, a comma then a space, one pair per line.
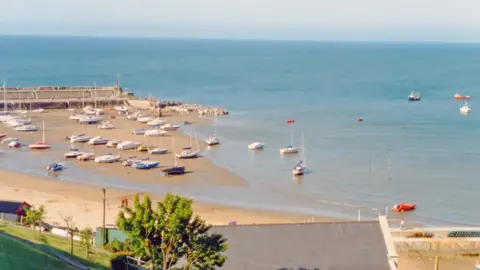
291, 135
4, 98
95, 94
83, 99
43, 131
173, 150
303, 151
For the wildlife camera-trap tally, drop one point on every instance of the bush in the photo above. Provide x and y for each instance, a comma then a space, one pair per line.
119, 261
116, 246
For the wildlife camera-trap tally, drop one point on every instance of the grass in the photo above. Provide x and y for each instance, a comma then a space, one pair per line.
98, 258
18, 255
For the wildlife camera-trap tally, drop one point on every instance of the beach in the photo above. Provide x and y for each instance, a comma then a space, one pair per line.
84, 203
80, 198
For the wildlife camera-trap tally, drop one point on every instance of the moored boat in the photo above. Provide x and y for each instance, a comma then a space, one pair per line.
256, 146
98, 140
146, 165
465, 108
14, 144
55, 167
106, 125
168, 127
86, 156
108, 158
27, 128
155, 133
73, 154
41, 145
113, 144
414, 96
457, 96
158, 151
403, 207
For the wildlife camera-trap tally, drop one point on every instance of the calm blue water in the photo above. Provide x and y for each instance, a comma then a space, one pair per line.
433, 150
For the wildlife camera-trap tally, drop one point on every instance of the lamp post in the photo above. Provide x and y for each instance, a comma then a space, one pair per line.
103, 231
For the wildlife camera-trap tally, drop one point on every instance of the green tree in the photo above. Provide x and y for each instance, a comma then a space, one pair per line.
71, 229
163, 236
86, 236
35, 217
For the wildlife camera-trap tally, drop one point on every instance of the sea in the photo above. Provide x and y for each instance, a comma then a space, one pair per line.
422, 152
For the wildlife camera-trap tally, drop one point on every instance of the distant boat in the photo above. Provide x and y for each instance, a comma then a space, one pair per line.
360, 119
414, 96
39, 110
175, 169
90, 119
113, 144
80, 139
465, 108
76, 116
109, 158
54, 167
98, 140
73, 154
106, 125
127, 145
18, 122
86, 156
14, 144
158, 151
9, 139
403, 207
138, 131
155, 122
2, 135
144, 119
301, 167
168, 127
155, 133
121, 109
146, 165
41, 145
213, 139
256, 146
188, 152
27, 128
457, 96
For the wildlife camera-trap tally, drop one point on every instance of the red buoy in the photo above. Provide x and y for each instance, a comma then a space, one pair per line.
290, 121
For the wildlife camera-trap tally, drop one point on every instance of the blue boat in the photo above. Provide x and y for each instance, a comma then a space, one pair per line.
414, 96
147, 165
174, 170
55, 167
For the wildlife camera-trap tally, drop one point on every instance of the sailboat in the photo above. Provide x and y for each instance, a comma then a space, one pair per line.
290, 149
213, 139
41, 145
301, 167
5, 115
188, 152
175, 169
158, 150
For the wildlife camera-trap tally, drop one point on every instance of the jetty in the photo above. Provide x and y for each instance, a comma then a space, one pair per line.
61, 97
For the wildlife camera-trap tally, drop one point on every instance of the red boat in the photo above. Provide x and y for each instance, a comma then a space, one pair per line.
457, 96
360, 119
290, 121
2, 136
404, 207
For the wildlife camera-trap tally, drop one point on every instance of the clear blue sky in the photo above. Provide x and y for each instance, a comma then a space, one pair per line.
396, 20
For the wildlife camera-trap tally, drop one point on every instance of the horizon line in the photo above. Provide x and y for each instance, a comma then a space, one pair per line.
241, 39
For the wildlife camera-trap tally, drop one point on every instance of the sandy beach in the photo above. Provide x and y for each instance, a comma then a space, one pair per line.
84, 202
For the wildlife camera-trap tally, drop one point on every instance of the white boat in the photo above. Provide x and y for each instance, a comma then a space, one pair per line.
301, 167
18, 122
187, 152
158, 151
144, 119
27, 128
465, 108
41, 145
127, 145
155, 122
14, 144
290, 149
86, 119
121, 109
256, 146
213, 139
98, 140
85, 156
114, 143
73, 154
9, 140
109, 158
76, 116
134, 116
39, 110
106, 125
169, 127
80, 139
138, 131
155, 133
99, 112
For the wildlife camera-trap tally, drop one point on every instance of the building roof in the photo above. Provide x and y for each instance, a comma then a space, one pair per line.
342, 245
10, 207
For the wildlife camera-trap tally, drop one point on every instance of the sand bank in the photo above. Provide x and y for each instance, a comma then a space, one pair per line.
84, 203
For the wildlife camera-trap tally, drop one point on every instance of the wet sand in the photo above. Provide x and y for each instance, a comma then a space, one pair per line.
57, 126
84, 203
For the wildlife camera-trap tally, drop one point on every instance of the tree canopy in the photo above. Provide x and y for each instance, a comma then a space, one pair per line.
169, 233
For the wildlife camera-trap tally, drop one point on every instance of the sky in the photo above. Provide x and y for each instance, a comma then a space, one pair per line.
388, 20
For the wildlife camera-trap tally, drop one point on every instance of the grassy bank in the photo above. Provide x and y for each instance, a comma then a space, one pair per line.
97, 259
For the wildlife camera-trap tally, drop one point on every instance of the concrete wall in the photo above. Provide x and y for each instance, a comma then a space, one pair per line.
140, 104
9, 217
437, 245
